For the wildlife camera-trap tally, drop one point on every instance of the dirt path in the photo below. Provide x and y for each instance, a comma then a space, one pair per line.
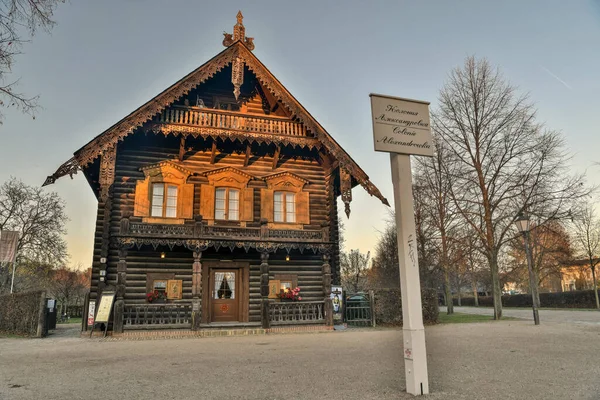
495, 360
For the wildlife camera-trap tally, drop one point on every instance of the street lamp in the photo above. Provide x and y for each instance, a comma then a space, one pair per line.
523, 225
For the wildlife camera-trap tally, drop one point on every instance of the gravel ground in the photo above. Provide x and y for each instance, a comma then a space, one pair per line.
495, 360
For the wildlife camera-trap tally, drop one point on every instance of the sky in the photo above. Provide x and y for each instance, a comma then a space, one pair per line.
105, 58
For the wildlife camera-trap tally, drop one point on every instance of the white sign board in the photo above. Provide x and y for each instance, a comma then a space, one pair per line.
8, 246
91, 311
401, 125
336, 299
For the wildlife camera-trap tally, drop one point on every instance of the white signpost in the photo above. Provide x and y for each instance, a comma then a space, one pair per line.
401, 127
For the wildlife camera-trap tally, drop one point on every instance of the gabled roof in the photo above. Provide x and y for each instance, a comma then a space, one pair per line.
238, 50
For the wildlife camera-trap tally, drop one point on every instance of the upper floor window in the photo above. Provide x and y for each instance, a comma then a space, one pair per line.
284, 207
164, 200
227, 204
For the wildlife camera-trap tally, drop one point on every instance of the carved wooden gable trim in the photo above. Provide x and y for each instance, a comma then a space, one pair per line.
237, 51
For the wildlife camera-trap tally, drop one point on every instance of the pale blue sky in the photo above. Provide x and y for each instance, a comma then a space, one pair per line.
106, 58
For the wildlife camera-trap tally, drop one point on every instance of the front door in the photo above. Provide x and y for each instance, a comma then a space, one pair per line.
225, 295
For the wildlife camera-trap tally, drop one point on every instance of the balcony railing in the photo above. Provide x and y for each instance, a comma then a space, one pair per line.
157, 316
206, 117
200, 230
297, 312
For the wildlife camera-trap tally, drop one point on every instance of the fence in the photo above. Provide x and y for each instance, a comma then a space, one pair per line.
157, 316
300, 312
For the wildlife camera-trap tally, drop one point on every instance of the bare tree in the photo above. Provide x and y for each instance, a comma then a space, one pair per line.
436, 183
19, 21
586, 229
68, 286
40, 218
354, 266
505, 162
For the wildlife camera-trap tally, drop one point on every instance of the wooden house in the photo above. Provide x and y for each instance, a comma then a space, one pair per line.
215, 195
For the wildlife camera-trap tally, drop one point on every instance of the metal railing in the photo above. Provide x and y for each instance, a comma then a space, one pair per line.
206, 117
148, 316
297, 312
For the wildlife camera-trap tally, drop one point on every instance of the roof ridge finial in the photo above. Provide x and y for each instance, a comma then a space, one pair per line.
239, 34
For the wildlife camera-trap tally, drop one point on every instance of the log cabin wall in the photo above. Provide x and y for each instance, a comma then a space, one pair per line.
141, 150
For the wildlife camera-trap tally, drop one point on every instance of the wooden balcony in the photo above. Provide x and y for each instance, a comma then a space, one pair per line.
200, 230
210, 118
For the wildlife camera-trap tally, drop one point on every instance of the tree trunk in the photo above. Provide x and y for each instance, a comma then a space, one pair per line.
496, 289
474, 287
458, 292
449, 300
595, 286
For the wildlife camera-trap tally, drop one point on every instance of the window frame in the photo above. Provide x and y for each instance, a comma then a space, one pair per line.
165, 199
284, 211
226, 211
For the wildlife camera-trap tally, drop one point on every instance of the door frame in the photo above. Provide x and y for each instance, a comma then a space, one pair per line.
243, 269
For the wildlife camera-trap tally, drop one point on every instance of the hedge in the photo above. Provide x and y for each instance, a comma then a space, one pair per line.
388, 306
574, 299
23, 313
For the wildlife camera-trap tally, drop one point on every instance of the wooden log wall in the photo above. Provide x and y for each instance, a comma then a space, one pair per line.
141, 150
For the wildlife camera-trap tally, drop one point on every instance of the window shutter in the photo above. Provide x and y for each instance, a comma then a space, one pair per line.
248, 205
141, 207
207, 202
185, 201
266, 204
303, 208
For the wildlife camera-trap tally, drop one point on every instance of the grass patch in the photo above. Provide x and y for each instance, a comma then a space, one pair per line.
461, 318
7, 335
71, 321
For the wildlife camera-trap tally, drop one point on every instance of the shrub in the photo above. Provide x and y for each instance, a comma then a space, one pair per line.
20, 312
575, 299
388, 306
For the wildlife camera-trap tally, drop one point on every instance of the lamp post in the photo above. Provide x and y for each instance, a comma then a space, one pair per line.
523, 225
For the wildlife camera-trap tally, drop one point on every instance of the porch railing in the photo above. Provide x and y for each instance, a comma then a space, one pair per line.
157, 316
301, 312
207, 117
200, 230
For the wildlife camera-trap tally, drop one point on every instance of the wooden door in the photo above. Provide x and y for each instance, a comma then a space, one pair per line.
225, 295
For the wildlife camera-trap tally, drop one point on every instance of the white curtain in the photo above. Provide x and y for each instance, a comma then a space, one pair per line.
219, 276
231, 283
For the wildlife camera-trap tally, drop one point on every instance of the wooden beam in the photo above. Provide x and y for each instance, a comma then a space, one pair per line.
248, 154
182, 148
213, 153
276, 157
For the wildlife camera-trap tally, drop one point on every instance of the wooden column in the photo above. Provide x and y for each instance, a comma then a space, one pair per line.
119, 299
327, 290
106, 180
264, 289
196, 290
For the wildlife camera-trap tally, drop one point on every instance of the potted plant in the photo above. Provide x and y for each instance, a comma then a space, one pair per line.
156, 297
289, 294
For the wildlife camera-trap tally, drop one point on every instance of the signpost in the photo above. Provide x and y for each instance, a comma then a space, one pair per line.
401, 127
103, 312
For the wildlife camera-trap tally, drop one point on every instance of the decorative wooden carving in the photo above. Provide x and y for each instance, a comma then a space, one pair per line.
213, 152
165, 172
248, 154
239, 34
227, 177
236, 50
276, 157
181, 148
346, 189
107, 171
